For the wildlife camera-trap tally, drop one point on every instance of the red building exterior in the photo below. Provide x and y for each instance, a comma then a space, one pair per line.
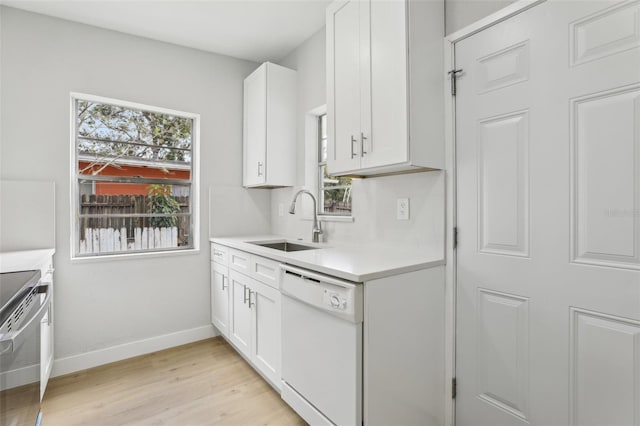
114, 188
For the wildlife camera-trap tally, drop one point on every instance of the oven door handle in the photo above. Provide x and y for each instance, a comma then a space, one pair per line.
11, 341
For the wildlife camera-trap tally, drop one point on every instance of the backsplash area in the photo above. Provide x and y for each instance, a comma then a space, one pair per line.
374, 213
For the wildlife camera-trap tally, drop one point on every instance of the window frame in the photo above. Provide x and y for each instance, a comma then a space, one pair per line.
75, 187
320, 167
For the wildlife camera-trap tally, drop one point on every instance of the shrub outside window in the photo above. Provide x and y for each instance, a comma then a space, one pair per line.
334, 193
134, 178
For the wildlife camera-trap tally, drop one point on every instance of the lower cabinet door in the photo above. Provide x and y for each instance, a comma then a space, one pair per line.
240, 329
220, 298
265, 307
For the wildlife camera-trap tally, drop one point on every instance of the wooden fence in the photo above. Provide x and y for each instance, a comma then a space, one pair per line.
116, 223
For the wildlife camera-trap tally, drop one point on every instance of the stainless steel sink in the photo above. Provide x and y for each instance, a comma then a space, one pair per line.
283, 245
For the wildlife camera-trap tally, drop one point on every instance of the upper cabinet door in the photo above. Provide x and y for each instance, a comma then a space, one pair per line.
343, 85
384, 115
255, 127
270, 127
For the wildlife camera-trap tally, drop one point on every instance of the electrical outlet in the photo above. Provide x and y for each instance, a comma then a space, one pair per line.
280, 209
402, 212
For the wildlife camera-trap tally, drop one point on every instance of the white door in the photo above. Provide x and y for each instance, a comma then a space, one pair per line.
255, 127
220, 297
343, 83
240, 322
548, 210
265, 307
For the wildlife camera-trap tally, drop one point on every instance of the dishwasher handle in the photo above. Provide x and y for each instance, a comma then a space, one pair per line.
308, 275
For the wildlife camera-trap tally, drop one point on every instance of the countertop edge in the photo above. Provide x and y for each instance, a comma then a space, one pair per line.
240, 243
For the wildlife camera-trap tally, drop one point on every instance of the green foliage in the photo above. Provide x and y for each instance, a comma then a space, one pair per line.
161, 201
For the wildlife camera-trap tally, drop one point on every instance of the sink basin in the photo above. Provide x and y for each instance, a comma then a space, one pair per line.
284, 246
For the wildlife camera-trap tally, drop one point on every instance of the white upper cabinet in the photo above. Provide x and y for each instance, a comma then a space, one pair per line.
269, 127
385, 86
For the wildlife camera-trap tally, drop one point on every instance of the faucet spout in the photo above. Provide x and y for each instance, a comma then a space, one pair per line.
317, 228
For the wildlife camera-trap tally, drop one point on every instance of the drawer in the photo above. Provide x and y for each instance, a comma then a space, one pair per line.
265, 271
219, 254
240, 261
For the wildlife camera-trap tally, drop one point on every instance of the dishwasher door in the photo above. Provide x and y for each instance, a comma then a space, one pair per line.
322, 347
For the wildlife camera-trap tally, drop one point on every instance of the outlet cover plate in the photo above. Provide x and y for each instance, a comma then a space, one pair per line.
402, 212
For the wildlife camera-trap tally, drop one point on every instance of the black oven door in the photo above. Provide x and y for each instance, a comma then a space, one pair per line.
20, 366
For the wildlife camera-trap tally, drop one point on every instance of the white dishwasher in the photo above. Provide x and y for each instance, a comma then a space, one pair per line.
322, 347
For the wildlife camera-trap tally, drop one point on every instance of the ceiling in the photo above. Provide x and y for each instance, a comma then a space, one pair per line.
257, 30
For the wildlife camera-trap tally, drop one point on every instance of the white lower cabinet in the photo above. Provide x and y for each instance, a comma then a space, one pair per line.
220, 294
240, 320
246, 309
265, 349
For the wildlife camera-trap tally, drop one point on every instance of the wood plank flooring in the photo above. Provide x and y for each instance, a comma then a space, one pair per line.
202, 383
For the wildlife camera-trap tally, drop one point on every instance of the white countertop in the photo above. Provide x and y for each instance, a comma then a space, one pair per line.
11, 261
350, 262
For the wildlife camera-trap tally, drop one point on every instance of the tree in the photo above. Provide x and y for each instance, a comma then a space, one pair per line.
111, 133
161, 201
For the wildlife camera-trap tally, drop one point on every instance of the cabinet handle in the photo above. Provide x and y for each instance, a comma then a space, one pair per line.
251, 303
353, 141
223, 280
245, 295
362, 139
259, 168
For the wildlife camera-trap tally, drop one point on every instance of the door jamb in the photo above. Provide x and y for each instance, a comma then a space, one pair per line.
451, 175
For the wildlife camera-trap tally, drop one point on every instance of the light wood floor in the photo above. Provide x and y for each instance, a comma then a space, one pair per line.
203, 383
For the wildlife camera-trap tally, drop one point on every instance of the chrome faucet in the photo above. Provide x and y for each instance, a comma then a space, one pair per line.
317, 228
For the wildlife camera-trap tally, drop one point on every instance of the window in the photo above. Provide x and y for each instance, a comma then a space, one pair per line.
134, 178
334, 193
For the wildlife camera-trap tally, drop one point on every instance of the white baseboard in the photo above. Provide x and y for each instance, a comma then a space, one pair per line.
92, 359
18, 377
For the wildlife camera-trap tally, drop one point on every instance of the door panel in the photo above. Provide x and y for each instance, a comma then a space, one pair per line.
385, 104
548, 172
266, 334
240, 323
255, 127
220, 298
343, 69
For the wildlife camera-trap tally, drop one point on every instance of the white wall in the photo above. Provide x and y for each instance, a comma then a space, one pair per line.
104, 303
374, 199
27, 215
460, 13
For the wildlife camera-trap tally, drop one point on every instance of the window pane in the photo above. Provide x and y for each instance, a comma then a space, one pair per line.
124, 217
334, 192
117, 132
337, 201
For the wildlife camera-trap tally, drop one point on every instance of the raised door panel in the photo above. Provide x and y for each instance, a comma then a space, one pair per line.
606, 192
343, 86
604, 370
266, 333
384, 122
220, 298
255, 127
240, 320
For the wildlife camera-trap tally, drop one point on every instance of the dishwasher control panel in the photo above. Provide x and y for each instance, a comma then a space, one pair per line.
329, 294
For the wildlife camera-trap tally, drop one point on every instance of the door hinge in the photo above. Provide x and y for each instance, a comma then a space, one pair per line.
454, 388
454, 78
455, 237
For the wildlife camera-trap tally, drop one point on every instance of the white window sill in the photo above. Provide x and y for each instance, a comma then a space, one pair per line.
330, 218
133, 256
